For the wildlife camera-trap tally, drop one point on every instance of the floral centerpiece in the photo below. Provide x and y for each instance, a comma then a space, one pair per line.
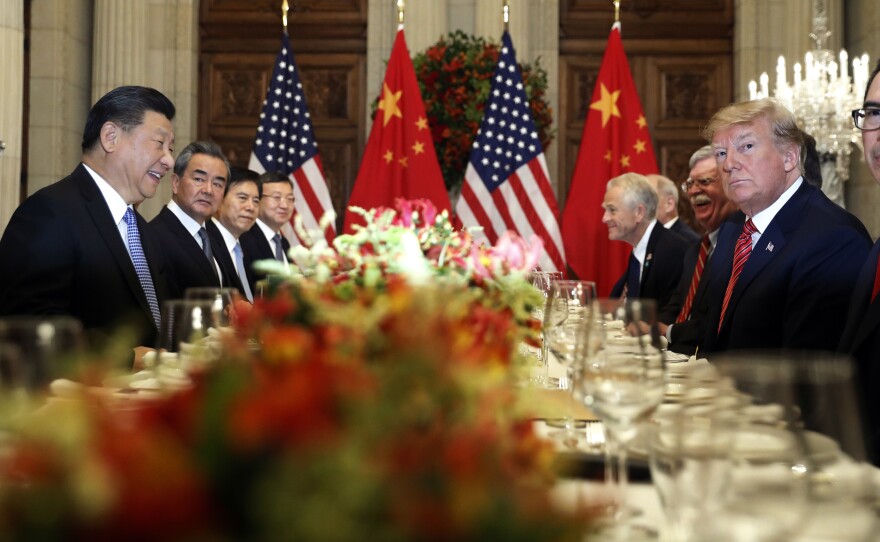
455, 77
368, 397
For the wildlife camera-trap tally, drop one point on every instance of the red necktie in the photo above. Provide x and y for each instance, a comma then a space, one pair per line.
876, 281
740, 255
695, 280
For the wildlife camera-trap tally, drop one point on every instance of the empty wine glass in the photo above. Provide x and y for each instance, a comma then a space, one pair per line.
542, 281
566, 317
622, 381
223, 299
39, 349
800, 461
188, 339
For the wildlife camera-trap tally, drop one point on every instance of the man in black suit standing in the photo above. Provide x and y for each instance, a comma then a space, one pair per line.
79, 247
667, 207
237, 214
786, 263
656, 259
265, 241
711, 207
197, 185
861, 336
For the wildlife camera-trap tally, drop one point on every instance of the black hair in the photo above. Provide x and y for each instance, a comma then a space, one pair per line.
240, 175
125, 106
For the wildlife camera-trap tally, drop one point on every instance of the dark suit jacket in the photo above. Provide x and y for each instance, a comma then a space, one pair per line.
794, 289
224, 259
256, 247
686, 336
661, 272
861, 339
62, 254
685, 231
185, 263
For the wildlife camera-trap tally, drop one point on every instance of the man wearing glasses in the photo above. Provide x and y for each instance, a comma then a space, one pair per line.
264, 241
861, 336
711, 208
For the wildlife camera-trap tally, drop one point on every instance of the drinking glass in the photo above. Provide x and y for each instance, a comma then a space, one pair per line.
223, 298
542, 280
566, 316
622, 381
800, 470
188, 339
39, 349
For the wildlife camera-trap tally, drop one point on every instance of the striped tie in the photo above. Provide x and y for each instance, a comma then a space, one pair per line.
695, 280
140, 263
743, 250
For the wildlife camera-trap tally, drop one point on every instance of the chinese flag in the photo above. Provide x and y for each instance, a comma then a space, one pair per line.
399, 161
615, 141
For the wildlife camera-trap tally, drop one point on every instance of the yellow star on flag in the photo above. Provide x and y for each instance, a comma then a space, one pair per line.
388, 104
422, 123
404, 161
418, 147
608, 156
641, 122
607, 104
388, 156
624, 160
639, 146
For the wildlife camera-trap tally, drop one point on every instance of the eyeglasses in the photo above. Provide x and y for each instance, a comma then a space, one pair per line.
866, 119
278, 198
703, 183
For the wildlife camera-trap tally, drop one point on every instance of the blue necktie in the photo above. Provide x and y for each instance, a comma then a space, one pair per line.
279, 249
633, 273
239, 265
140, 263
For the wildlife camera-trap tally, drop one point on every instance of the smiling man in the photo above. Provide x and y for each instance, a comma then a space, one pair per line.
785, 264
79, 247
197, 186
264, 241
655, 262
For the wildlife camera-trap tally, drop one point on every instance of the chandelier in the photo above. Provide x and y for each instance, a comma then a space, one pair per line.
822, 95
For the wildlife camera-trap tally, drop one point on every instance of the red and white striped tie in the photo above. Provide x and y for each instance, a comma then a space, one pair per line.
743, 250
695, 280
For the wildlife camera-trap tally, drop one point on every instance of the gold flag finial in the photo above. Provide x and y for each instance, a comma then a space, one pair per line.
616, 11
284, 9
506, 15
400, 12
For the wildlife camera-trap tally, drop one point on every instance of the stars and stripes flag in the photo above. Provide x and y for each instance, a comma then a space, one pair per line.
615, 140
285, 142
507, 185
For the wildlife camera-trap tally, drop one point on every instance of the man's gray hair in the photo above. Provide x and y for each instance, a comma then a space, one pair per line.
701, 154
664, 186
637, 190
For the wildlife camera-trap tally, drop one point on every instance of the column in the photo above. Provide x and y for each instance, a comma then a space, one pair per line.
11, 103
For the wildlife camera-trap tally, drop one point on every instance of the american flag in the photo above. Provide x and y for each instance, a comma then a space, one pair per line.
285, 142
507, 185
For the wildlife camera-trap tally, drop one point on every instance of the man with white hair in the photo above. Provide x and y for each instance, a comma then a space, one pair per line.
655, 262
667, 207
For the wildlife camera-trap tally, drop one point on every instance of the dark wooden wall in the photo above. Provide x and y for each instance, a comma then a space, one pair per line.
239, 40
679, 51
680, 54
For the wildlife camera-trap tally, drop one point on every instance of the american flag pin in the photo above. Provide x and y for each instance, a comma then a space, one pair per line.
769, 247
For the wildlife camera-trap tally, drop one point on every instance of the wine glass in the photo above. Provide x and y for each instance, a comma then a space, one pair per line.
223, 299
188, 339
39, 349
542, 281
622, 380
800, 465
566, 316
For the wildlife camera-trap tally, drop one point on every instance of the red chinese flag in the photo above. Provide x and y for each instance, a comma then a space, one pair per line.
615, 141
399, 161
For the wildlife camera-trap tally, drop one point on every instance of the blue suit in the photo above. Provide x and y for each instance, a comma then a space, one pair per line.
794, 290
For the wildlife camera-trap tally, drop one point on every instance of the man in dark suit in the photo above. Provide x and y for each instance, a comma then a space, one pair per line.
236, 215
78, 247
265, 240
655, 263
785, 264
861, 336
711, 208
197, 185
667, 207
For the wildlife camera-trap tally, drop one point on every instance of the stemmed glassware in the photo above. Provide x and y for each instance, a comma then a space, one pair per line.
622, 380
566, 316
542, 281
36, 350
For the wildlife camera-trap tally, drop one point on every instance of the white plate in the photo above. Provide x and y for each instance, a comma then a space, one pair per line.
757, 443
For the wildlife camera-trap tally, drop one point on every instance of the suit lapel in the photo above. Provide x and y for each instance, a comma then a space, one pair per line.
188, 243
865, 320
648, 266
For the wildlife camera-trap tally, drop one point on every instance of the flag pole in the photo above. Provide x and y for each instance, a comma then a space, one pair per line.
284, 9
400, 14
616, 11
506, 15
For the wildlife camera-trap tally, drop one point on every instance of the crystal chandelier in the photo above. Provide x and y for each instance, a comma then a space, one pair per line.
821, 96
